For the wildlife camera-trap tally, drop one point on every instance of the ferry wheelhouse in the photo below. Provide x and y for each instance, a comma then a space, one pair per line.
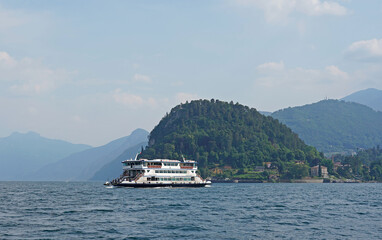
159, 173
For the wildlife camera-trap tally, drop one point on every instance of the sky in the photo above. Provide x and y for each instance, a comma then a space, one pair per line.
93, 71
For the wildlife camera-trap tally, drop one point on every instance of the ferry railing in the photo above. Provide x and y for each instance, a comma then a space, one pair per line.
154, 166
186, 167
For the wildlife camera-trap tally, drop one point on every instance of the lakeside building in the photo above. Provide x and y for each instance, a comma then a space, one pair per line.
314, 171
336, 165
267, 164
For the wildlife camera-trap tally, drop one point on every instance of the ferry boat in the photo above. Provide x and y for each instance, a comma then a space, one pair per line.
159, 173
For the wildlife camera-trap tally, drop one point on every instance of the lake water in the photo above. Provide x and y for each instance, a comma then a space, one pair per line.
56, 210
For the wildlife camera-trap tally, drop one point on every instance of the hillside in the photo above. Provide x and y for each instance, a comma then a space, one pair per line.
21, 154
83, 165
370, 97
220, 134
334, 126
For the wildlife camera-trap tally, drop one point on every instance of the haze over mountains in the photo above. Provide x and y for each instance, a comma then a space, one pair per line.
334, 126
23, 153
82, 166
370, 97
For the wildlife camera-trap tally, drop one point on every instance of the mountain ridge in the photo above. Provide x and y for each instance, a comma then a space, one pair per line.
23, 153
82, 166
334, 125
370, 97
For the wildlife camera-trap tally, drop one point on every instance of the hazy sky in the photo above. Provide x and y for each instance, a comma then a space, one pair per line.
93, 71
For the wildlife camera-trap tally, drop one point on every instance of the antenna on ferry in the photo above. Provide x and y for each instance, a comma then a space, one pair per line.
135, 159
183, 158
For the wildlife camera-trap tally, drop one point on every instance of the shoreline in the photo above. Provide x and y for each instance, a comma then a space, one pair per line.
292, 181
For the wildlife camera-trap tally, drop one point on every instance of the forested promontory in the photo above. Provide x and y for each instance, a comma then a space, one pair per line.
221, 135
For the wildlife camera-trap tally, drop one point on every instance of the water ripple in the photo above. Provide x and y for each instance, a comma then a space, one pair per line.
54, 210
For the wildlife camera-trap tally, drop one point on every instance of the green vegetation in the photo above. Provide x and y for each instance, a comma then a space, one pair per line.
366, 165
334, 126
230, 140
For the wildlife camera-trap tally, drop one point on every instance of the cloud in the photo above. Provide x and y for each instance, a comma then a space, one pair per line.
271, 66
299, 78
141, 78
279, 10
127, 99
182, 97
78, 119
365, 50
6, 60
135, 101
334, 71
292, 86
29, 76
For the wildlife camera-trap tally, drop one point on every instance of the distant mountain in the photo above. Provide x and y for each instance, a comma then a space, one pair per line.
83, 165
370, 97
23, 153
265, 113
334, 126
113, 169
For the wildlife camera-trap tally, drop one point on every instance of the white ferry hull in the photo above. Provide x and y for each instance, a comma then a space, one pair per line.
154, 185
